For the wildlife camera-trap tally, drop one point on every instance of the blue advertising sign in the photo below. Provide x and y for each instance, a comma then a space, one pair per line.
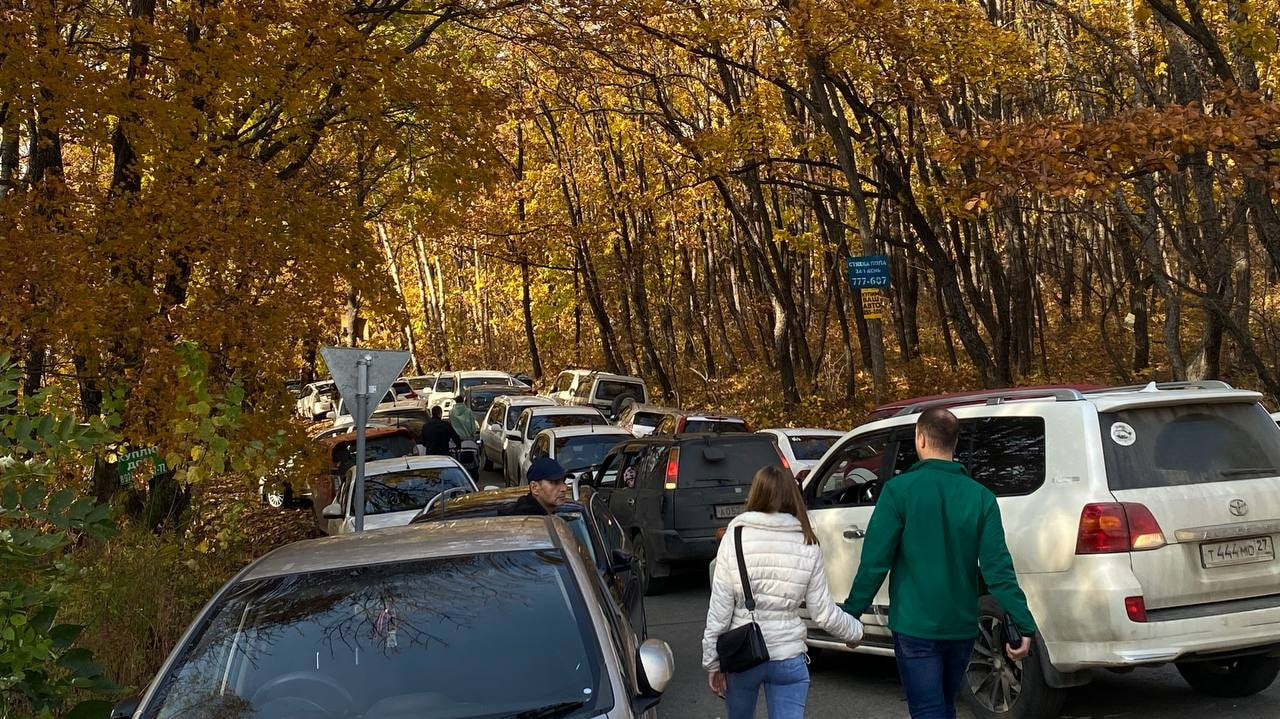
868, 271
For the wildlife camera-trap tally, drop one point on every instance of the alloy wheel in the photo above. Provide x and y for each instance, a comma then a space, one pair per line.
994, 680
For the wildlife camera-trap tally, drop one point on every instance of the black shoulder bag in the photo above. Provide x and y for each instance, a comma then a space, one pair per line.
742, 648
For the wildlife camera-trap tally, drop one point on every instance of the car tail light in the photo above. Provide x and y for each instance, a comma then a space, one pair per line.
785, 464
673, 468
1136, 608
1108, 527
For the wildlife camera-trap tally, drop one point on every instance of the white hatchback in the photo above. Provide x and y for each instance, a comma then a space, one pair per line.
575, 448
395, 490
532, 421
1142, 521
498, 421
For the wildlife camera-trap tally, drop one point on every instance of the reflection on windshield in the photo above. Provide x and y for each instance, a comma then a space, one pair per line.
575, 453
810, 448
409, 490
451, 638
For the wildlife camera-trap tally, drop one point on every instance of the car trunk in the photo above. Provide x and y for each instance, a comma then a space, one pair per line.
713, 479
1209, 474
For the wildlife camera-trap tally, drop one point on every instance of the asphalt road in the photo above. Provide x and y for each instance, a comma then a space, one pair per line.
848, 685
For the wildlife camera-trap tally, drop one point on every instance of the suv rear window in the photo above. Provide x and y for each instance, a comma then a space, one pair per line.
699, 426
375, 448
736, 460
607, 390
1189, 444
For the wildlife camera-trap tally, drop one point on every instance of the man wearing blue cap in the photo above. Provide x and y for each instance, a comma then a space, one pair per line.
546, 488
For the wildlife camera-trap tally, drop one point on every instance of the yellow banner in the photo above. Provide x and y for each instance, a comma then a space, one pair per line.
873, 303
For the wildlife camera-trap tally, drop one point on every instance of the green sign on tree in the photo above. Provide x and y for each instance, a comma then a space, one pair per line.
131, 462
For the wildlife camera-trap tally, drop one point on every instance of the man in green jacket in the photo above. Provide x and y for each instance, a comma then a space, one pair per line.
935, 529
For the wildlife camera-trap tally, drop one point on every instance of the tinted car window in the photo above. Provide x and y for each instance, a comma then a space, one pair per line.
420, 383
607, 390
375, 448
696, 426
445, 384
419, 638
648, 419
477, 381
1190, 444
547, 421
810, 447
1005, 454
513, 413
409, 490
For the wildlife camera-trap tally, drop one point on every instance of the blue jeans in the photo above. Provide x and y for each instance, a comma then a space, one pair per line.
786, 684
932, 672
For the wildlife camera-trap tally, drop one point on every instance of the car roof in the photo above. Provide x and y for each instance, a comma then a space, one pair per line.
508, 388
703, 437
369, 433
654, 408
619, 377
536, 400
412, 461
470, 373
804, 431
450, 538
689, 414
586, 429
1101, 399
553, 409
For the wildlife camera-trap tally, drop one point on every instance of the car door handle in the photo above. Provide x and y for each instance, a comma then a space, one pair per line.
854, 532
631, 500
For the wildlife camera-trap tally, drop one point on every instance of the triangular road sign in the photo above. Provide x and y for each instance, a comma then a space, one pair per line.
384, 367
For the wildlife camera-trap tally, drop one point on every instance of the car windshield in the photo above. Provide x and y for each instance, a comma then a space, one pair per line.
648, 419
388, 447
810, 447
586, 451
477, 381
537, 423
444, 384
411, 489
392, 640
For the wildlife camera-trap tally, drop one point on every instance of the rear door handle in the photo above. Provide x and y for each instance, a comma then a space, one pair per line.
854, 532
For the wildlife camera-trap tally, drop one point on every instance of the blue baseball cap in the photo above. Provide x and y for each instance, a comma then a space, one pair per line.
545, 469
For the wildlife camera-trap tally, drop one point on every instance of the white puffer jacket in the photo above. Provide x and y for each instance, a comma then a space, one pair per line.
784, 572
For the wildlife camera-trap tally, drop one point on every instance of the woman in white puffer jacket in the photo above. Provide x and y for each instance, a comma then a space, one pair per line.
784, 564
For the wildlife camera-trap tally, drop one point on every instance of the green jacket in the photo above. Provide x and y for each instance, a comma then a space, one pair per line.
463, 420
934, 527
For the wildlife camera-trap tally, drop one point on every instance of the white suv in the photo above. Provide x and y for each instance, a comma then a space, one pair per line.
1142, 523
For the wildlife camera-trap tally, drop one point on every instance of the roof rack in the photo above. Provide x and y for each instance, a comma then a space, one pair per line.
993, 397
1153, 386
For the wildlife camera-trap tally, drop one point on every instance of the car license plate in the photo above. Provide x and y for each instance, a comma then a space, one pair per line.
729, 511
1238, 551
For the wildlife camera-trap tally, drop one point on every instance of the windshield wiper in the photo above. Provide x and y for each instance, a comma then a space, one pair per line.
551, 710
1239, 471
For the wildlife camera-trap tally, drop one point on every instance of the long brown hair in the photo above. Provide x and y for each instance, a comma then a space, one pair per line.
774, 490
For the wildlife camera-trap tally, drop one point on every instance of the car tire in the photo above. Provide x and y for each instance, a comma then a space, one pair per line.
1231, 678
995, 688
621, 402
650, 584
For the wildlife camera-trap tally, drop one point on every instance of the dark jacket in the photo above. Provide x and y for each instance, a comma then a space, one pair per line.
933, 529
436, 435
527, 505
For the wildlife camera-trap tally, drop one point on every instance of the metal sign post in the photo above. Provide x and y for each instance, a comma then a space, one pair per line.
359, 374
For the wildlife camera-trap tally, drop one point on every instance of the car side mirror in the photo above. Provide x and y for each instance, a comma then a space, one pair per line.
657, 667
333, 511
585, 479
620, 560
125, 708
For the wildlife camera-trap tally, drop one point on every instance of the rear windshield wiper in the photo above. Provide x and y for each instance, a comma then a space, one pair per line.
1241, 471
551, 710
